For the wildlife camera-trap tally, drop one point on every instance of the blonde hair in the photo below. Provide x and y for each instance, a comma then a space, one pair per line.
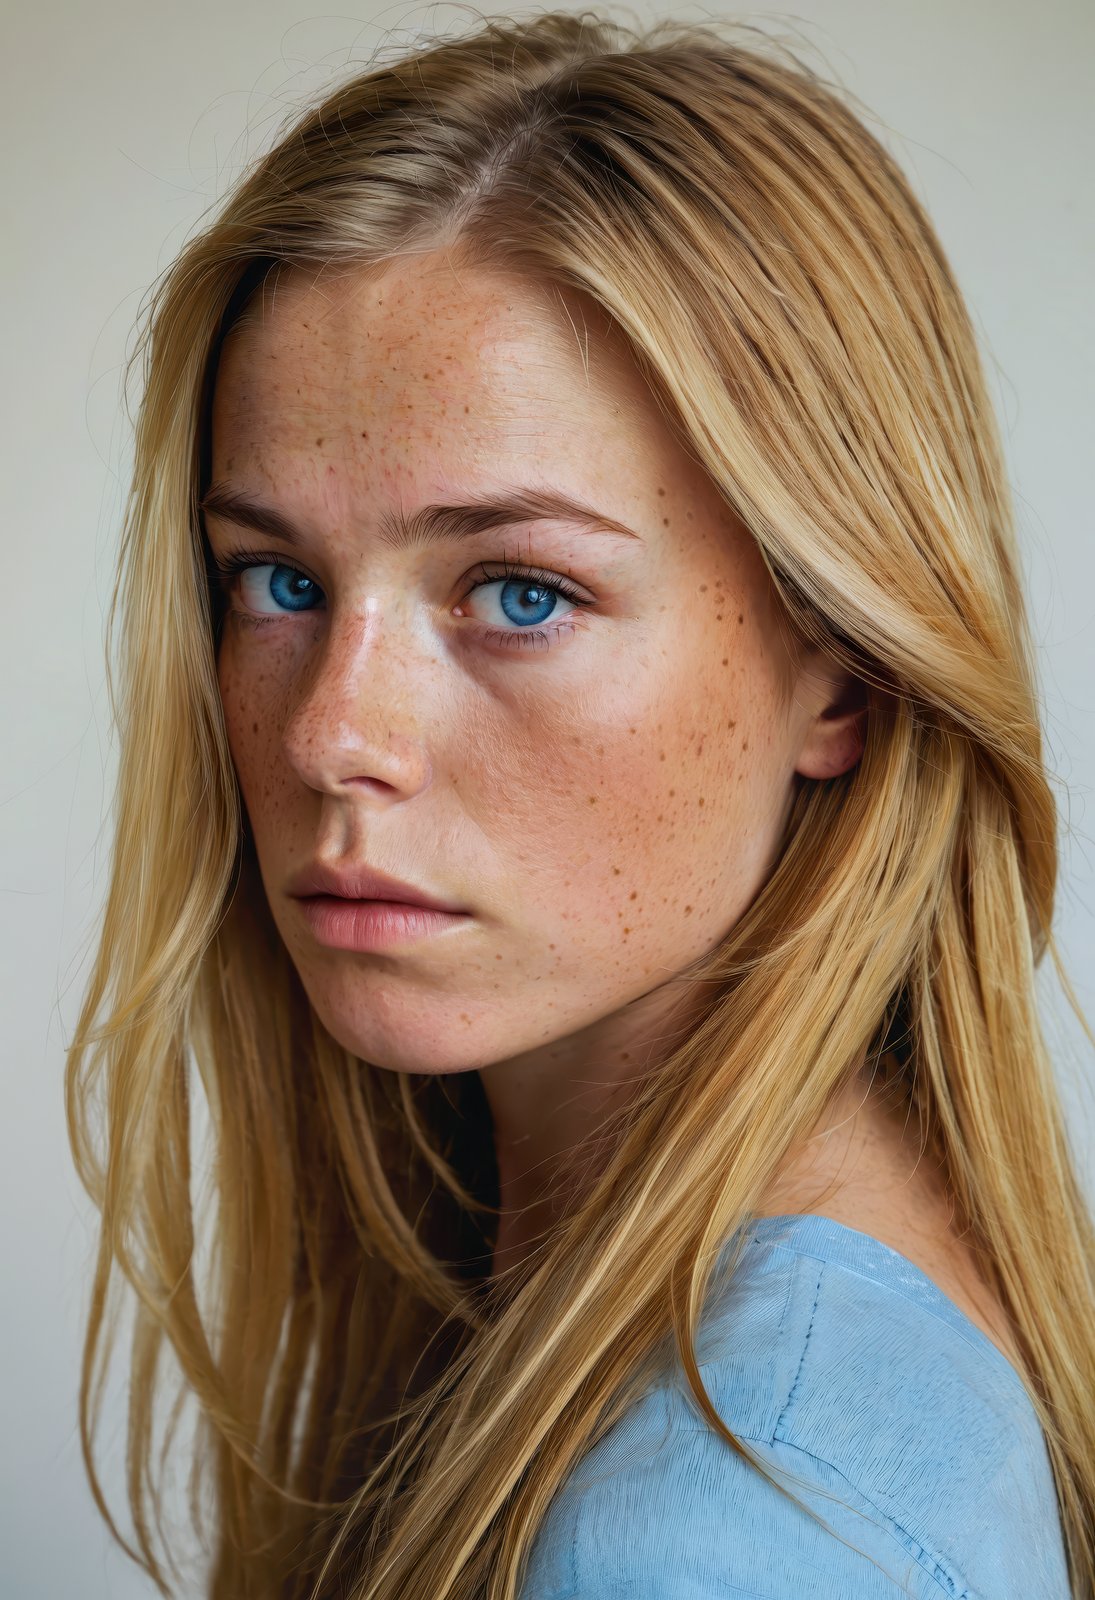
366, 1401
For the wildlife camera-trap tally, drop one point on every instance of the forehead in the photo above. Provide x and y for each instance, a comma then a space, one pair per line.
427, 353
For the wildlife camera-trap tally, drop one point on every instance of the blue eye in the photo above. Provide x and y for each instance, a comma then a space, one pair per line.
528, 599
263, 579
288, 589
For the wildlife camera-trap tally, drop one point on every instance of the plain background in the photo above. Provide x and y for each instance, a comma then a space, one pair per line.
123, 122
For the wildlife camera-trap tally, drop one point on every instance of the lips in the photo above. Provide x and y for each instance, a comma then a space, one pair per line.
364, 883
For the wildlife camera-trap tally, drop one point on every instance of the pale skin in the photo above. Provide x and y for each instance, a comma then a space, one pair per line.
606, 799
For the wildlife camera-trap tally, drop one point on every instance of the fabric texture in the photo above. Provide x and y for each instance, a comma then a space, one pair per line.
839, 1361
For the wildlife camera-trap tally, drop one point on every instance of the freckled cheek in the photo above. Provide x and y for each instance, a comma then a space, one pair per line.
253, 700
600, 793
646, 797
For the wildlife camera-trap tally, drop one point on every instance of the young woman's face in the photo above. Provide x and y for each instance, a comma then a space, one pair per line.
595, 763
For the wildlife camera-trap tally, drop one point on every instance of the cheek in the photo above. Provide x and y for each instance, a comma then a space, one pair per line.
252, 699
643, 809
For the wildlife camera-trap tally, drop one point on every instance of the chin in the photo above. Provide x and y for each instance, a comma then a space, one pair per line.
412, 1049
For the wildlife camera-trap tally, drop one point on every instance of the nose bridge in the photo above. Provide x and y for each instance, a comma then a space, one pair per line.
357, 717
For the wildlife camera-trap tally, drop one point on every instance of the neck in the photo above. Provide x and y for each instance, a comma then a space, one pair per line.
548, 1106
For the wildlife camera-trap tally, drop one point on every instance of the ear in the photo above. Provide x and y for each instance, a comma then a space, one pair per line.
835, 702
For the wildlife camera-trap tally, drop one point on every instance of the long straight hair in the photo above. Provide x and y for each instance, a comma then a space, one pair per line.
376, 1418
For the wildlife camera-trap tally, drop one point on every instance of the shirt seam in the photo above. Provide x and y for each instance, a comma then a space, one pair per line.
805, 1346
954, 1588
971, 1337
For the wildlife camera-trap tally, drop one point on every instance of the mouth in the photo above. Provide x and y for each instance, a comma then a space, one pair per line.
343, 923
361, 882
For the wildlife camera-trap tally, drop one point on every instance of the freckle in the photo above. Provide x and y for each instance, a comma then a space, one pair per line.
364, 435
740, 617
703, 588
726, 661
661, 755
665, 522
633, 893
626, 932
466, 410
659, 819
616, 870
701, 800
719, 617
318, 443
592, 798
745, 744
688, 911
254, 727
672, 791
632, 730
661, 491
731, 724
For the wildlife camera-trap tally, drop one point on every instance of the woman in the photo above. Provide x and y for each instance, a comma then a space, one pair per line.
582, 814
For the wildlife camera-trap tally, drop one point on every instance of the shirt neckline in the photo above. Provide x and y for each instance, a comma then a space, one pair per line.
838, 1242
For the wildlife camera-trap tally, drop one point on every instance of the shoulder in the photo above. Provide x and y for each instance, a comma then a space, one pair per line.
879, 1417
690, 1520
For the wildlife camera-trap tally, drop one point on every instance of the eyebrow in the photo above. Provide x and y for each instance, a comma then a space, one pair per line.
433, 524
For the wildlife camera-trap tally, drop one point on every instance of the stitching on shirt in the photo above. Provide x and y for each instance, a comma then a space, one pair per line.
955, 1588
786, 1298
971, 1335
805, 1344
937, 1571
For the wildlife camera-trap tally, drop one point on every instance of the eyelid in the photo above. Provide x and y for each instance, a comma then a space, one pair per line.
235, 559
550, 577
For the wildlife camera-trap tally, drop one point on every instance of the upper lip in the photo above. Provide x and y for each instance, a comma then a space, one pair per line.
363, 883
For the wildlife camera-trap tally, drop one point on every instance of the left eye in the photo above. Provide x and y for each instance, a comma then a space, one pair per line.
527, 600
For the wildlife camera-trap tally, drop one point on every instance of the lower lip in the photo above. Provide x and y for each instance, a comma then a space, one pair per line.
373, 924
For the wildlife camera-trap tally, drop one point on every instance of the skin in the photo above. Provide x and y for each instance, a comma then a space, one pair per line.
606, 807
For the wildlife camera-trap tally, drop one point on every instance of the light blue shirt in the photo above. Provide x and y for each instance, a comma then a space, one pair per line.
836, 1358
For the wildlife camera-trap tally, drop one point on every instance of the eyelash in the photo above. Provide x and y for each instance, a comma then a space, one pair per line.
227, 567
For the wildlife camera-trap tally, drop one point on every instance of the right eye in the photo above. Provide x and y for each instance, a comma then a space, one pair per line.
268, 588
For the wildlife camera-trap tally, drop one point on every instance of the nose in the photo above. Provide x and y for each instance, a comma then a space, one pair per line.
354, 727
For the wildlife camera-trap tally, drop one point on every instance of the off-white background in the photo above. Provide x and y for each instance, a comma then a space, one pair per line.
121, 123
